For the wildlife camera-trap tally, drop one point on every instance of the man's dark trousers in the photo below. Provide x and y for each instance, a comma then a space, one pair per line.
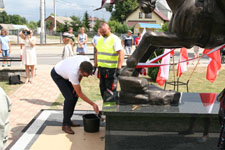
68, 93
107, 77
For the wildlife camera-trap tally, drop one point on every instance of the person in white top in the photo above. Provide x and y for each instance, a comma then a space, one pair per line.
5, 104
29, 57
68, 48
67, 74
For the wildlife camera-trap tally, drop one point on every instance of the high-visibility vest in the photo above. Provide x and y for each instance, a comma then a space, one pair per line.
107, 56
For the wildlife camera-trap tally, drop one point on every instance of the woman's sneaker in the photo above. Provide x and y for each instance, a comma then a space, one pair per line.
3, 65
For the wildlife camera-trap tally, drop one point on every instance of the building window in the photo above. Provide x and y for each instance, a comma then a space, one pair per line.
149, 15
140, 15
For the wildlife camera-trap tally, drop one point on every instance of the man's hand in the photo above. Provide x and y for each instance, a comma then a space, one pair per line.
0, 51
94, 70
117, 72
95, 107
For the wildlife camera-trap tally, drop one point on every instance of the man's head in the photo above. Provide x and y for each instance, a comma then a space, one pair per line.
129, 32
139, 34
104, 29
70, 30
86, 69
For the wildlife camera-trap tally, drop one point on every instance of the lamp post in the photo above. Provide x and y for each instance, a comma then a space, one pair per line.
42, 16
54, 29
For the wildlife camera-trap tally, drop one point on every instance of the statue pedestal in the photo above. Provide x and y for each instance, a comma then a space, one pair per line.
157, 127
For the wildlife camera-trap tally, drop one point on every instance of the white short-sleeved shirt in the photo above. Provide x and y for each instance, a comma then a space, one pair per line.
69, 68
95, 39
117, 42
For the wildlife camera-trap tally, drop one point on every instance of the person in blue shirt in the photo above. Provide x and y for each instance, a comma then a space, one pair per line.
127, 42
5, 47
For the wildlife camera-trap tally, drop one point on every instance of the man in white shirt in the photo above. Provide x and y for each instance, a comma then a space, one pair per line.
5, 108
67, 75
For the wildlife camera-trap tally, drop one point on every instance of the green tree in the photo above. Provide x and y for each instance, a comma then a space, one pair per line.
97, 25
122, 9
11, 19
117, 27
76, 23
4, 17
86, 22
32, 25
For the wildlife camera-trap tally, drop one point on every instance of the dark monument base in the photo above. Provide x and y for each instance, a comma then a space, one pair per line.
157, 127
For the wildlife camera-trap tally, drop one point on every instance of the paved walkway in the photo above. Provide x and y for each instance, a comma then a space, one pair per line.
28, 100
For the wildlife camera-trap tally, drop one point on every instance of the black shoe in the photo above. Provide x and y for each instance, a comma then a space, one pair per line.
67, 129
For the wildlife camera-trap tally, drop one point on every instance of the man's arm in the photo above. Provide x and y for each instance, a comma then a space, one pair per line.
95, 59
79, 92
120, 59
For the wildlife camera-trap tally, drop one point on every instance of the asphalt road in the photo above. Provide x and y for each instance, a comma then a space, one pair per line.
51, 54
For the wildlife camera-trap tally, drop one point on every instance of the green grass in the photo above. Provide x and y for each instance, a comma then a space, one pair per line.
198, 83
89, 86
9, 88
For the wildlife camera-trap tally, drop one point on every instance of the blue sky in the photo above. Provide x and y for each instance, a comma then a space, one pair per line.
30, 9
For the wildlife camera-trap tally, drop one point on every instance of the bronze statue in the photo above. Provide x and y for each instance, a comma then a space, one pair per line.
194, 22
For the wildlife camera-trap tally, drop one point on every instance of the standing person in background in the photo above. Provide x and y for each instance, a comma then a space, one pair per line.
127, 42
70, 31
82, 41
110, 57
94, 43
137, 40
68, 48
4, 118
5, 47
29, 53
196, 52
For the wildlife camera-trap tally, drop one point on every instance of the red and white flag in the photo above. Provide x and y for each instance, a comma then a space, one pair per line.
163, 73
214, 65
208, 100
106, 3
182, 67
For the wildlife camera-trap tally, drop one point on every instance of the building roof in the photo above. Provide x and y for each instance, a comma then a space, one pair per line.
148, 25
163, 17
61, 19
160, 6
13, 26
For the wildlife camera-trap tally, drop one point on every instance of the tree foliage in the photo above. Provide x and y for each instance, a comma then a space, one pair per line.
11, 19
117, 27
122, 9
97, 25
76, 23
86, 22
32, 25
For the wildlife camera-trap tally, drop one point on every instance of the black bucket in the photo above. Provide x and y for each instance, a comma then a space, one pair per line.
91, 123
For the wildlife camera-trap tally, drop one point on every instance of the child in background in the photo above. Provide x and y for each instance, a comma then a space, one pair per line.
68, 50
5, 47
